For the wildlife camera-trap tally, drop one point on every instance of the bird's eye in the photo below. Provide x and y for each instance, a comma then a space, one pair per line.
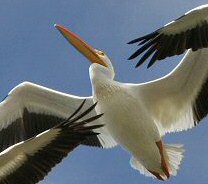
101, 53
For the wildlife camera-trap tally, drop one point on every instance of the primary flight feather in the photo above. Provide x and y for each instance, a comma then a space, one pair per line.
31, 160
189, 31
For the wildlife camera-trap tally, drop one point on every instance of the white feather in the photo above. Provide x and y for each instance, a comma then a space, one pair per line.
191, 19
169, 99
42, 100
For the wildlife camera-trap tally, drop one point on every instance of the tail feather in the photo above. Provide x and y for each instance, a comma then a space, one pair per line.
174, 155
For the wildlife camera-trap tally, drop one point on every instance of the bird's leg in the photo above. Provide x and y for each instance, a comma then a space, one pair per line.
163, 160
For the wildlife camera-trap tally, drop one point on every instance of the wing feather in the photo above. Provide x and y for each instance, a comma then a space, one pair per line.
31, 160
187, 32
179, 100
30, 109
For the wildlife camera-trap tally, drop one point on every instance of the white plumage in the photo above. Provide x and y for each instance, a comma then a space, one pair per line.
32, 109
136, 116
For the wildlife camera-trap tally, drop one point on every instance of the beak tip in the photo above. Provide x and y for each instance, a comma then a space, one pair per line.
61, 28
57, 26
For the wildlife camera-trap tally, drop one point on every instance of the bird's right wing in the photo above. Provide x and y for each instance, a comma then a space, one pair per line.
30, 109
190, 31
179, 100
31, 160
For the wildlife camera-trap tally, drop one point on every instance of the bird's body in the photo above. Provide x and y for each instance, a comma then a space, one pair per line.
136, 132
128, 121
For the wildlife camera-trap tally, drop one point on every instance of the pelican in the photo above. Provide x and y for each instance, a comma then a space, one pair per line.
136, 116
30, 161
131, 116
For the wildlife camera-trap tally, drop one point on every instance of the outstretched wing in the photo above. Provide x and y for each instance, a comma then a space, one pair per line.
179, 100
30, 109
188, 31
31, 160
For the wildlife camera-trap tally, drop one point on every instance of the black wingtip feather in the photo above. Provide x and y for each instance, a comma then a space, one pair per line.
94, 118
141, 50
153, 59
77, 110
171, 44
84, 113
136, 40
146, 55
86, 121
70, 121
144, 47
146, 37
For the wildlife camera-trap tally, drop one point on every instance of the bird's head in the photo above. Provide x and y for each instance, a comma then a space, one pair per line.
93, 55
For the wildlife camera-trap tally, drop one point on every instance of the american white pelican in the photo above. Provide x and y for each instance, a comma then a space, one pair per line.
188, 31
31, 160
136, 116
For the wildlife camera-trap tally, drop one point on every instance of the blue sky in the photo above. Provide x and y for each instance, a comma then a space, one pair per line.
32, 50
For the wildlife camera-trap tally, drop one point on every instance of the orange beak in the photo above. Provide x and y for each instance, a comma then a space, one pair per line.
84, 48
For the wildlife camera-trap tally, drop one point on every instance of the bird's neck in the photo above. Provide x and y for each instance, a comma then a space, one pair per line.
99, 72
103, 85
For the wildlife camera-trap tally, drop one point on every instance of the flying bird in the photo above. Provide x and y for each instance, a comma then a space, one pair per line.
189, 31
31, 160
136, 116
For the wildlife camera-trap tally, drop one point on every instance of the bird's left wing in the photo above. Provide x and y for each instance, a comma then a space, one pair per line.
179, 100
188, 31
31, 160
30, 109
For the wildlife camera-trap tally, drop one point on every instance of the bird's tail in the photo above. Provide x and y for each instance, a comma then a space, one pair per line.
174, 156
